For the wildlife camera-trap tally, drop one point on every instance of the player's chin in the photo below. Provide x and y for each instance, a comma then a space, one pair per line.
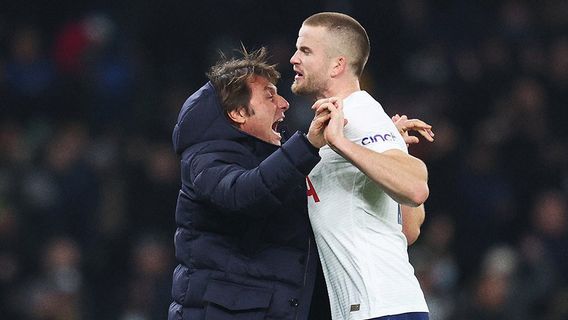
274, 138
277, 140
298, 89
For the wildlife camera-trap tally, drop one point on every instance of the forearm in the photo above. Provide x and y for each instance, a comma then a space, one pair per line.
227, 181
412, 219
401, 176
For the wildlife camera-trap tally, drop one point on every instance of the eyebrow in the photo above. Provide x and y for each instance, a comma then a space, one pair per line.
304, 49
271, 89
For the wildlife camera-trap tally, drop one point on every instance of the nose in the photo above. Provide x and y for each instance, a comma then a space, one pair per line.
294, 59
283, 103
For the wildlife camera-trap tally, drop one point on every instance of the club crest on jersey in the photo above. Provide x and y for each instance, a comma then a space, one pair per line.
378, 138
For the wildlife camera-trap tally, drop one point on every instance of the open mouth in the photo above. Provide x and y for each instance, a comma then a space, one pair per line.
298, 74
275, 126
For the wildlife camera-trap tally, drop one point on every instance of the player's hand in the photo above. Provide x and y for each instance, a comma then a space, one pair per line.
404, 125
333, 132
321, 117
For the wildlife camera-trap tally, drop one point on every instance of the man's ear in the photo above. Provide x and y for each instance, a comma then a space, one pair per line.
238, 115
338, 66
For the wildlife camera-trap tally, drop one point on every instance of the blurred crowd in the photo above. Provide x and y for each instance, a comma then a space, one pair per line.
89, 94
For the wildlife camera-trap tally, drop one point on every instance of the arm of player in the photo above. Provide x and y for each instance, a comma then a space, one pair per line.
223, 176
402, 176
412, 219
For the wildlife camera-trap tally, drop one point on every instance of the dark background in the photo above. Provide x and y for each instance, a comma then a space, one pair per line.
89, 94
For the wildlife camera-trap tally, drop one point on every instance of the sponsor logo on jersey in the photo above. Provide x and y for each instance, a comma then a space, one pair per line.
378, 138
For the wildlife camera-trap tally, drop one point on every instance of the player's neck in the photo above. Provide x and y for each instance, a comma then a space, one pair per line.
341, 89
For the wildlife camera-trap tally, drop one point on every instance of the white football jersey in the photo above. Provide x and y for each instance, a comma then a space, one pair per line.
358, 227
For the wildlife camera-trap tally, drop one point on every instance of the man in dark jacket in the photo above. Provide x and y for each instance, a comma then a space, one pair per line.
243, 241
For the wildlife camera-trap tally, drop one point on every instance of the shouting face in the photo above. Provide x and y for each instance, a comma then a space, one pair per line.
265, 112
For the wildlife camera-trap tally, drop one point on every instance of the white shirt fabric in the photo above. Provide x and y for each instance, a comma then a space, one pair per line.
358, 227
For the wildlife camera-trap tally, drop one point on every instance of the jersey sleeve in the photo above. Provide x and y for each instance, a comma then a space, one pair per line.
368, 125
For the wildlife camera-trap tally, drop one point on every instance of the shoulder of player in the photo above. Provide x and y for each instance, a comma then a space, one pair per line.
362, 102
365, 113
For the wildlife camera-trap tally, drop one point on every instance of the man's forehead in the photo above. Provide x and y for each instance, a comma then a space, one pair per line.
312, 35
312, 32
262, 83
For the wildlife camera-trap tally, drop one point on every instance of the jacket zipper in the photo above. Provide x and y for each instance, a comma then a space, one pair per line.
306, 270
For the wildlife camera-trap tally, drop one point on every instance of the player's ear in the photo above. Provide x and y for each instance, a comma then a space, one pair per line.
338, 66
238, 115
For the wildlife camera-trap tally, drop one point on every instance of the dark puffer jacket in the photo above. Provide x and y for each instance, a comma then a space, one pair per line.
243, 242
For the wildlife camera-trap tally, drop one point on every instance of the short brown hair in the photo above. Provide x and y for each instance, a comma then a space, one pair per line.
353, 38
230, 77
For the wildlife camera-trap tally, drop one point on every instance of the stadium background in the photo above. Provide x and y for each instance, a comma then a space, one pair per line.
90, 90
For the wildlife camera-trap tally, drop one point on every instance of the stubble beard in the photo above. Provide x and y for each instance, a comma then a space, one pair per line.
309, 88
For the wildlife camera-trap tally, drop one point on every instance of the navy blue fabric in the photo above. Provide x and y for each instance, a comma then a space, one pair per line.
243, 240
405, 316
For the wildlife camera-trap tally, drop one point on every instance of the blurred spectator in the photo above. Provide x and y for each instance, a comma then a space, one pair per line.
487, 298
436, 267
58, 291
29, 75
12, 264
90, 56
152, 189
487, 203
549, 233
148, 291
63, 189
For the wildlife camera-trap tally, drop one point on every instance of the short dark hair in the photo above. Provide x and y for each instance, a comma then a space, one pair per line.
230, 77
353, 37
